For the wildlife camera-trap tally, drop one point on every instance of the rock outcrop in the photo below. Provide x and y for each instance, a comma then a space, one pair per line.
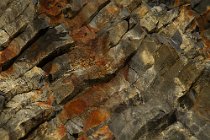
105, 69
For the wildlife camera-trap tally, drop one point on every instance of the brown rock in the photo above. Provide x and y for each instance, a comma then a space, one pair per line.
104, 69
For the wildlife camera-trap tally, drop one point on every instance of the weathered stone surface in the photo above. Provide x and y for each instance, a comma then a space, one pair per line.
31, 80
2, 100
4, 38
196, 119
175, 132
104, 69
4, 134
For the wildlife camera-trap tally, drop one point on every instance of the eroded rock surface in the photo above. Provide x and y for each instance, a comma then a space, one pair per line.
105, 69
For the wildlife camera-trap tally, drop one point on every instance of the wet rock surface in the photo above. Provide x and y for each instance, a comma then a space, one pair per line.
105, 69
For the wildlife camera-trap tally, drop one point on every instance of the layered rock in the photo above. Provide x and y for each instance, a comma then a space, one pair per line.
104, 69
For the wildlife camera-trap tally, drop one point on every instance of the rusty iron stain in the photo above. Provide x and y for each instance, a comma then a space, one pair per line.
84, 34
101, 62
95, 118
83, 137
177, 2
72, 109
6, 55
189, 11
52, 7
91, 52
43, 104
78, 106
50, 100
202, 22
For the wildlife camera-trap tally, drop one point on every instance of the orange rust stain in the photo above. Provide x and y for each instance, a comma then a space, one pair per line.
94, 95
84, 35
7, 54
43, 104
190, 12
203, 19
84, 15
63, 117
202, 22
91, 51
53, 10
77, 22
10, 52
61, 130
58, 20
101, 62
95, 118
72, 109
177, 2
90, 98
104, 132
83, 137
52, 7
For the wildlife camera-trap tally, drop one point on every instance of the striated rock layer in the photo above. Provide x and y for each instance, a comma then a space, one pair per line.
105, 69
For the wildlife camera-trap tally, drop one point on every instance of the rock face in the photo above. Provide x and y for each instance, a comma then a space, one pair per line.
105, 69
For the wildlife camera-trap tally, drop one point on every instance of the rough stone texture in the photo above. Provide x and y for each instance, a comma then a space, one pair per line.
176, 132
105, 69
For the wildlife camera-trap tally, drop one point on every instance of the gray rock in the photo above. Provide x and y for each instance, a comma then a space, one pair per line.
4, 38
104, 69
